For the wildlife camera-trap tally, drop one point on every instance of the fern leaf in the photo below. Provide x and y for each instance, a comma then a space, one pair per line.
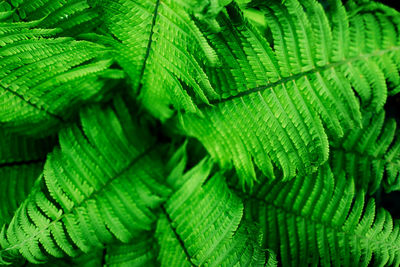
276, 103
44, 79
62, 216
72, 17
369, 154
21, 163
320, 220
92, 259
161, 49
298, 91
202, 224
141, 252
83, 199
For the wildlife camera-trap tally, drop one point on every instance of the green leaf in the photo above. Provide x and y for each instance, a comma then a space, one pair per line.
141, 252
320, 220
71, 17
161, 49
202, 225
21, 163
101, 183
371, 155
43, 80
84, 207
198, 133
280, 102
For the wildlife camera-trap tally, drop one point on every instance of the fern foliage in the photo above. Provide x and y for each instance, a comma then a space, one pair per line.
70, 201
222, 237
288, 91
199, 133
70, 195
71, 17
162, 50
21, 163
370, 153
41, 76
329, 225
138, 253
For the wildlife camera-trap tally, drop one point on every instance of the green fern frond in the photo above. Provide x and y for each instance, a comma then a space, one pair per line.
21, 163
320, 220
79, 210
141, 252
222, 236
101, 183
162, 50
72, 17
43, 79
198, 133
369, 154
277, 99
94, 258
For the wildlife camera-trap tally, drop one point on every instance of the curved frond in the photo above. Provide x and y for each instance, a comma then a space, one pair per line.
72, 17
202, 224
101, 183
141, 252
276, 99
21, 163
94, 258
198, 132
42, 80
84, 202
320, 220
161, 49
371, 155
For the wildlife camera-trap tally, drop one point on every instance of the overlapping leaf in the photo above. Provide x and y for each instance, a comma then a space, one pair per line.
321, 220
161, 49
371, 155
21, 163
101, 183
43, 79
202, 224
105, 183
279, 101
72, 17
299, 97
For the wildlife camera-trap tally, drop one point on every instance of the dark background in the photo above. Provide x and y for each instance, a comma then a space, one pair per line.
392, 3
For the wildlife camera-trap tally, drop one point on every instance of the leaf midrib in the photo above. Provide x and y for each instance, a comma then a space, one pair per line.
177, 236
299, 75
35, 106
335, 228
93, 195
149, 44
